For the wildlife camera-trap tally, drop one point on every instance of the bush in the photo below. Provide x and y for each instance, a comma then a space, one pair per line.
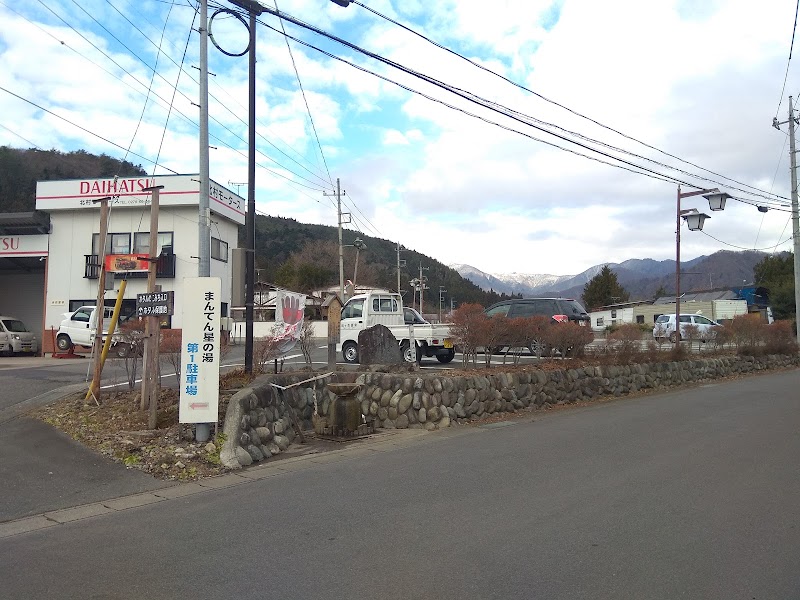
625, 341
780, 338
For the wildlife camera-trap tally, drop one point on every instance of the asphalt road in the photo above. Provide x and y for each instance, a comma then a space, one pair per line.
690, 494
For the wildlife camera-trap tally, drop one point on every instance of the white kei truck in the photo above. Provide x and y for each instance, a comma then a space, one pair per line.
386, 308
79, 328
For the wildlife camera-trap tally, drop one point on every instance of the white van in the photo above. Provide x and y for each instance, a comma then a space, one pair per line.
16, 338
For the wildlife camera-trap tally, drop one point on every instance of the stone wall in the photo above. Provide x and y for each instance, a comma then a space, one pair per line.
257, 423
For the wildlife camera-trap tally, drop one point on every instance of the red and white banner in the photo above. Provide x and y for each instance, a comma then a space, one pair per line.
289, 312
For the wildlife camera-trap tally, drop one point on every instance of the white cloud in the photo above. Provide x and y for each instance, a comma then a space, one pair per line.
699, 80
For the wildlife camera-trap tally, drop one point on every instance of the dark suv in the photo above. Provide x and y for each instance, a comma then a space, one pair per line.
559, 310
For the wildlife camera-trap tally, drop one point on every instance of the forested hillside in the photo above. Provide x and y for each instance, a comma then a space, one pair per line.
294, 255
21, 169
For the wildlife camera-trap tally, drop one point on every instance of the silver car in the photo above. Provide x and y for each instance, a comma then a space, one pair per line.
665, 327
16, 338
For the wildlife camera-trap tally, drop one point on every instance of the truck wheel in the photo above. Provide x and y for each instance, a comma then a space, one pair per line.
446, 358
405, 351
63, 342
350, 352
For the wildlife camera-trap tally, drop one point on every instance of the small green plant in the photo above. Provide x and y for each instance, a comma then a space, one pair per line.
219, 441
131, 460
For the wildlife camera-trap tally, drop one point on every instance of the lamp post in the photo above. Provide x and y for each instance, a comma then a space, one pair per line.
694, 220
358, 245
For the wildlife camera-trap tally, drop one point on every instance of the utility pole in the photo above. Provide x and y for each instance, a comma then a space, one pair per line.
442, 290
97, 347
150, 379
339, 213
792, 121
795, 220
204, 225
422, 281
400, 263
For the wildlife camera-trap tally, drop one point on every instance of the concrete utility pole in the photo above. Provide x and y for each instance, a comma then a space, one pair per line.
795, 218
339, 214
150, 377
400, 263
422, 281
204, 225
442, 290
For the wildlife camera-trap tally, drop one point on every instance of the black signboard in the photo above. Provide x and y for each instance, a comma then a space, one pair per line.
155, 304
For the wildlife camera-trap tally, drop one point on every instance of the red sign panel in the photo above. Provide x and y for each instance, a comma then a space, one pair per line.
126, 262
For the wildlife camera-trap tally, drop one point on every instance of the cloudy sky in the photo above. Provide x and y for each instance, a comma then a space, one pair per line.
492, 172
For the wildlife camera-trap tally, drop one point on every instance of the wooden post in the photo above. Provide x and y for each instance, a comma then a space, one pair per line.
150, 379
97, 346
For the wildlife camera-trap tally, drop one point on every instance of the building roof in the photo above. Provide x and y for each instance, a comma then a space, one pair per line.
24, 223
701, 297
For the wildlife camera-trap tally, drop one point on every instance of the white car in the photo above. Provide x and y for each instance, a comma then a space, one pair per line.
16, 338
665, 327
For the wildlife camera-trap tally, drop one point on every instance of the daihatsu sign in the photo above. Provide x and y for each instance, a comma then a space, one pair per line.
23, 245
178, 190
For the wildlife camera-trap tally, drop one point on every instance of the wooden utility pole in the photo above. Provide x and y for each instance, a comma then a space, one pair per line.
97, 347
150, 376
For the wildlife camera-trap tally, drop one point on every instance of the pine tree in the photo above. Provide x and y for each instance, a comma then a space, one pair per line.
603, 289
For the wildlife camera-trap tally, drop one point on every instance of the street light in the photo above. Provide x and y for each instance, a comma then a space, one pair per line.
694, 219
358, 245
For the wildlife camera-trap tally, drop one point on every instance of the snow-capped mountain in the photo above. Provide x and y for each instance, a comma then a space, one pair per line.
640, 276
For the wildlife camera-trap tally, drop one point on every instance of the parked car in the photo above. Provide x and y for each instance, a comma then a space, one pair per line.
665, 327
558, 310
16, 338
79, 329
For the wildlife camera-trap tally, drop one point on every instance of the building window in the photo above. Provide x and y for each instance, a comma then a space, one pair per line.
116, 243
613, 314
219, 249
141, 242
640, 319
600, 321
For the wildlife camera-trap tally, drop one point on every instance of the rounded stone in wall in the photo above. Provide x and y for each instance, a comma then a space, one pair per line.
434, 414
373, 409
402, 422
404, 403
255, 452
243, 456
422, 415
392, 413
383, 414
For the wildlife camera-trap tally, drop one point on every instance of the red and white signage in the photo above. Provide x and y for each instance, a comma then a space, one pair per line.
179, 190
23, 245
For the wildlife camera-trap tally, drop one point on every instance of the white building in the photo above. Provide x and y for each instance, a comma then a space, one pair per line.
71, 274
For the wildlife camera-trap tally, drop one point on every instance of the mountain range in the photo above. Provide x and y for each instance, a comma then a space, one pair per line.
641, 277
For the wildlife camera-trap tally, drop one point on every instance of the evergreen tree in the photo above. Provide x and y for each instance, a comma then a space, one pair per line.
776, 273
603, 289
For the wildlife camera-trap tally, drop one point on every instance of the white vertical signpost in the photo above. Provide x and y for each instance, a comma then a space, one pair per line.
200, 343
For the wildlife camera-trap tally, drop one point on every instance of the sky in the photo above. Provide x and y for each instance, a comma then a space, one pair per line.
496, 163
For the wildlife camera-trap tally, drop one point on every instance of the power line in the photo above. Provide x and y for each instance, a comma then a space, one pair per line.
486, 104
789, 60
553, 102
305, 100
106, 140
742, 247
